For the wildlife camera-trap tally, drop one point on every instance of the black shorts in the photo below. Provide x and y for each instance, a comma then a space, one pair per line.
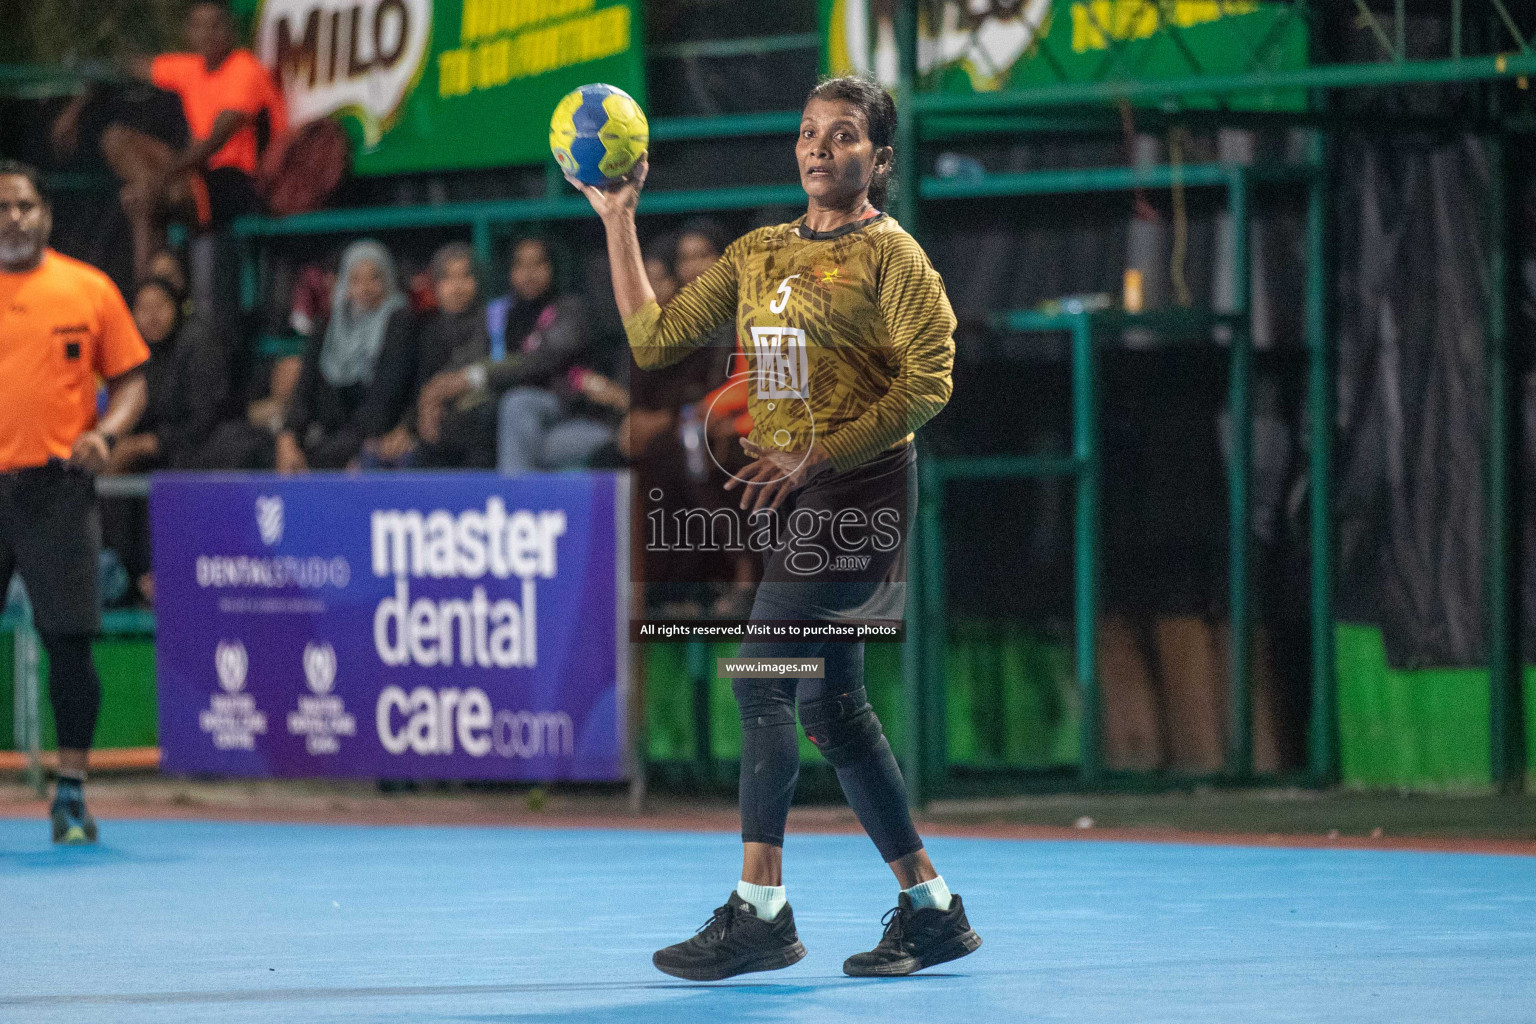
139, 106
231, 195
50, 532
845, 549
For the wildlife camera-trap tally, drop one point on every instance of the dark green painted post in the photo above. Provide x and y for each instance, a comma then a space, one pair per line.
1506, 737
250, 274
480, 241
910, 755
914, 653
1240, 412
701, 674
935, 633
1085, 542
1323, 740
904, 196
919, 664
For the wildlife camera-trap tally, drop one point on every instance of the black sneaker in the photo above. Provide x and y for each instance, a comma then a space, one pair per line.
733, 941
72, 823
915, 939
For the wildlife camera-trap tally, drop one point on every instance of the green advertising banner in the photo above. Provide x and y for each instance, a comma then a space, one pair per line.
425, 85
970, 46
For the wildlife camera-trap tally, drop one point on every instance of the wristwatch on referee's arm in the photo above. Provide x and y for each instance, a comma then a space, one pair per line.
108, 442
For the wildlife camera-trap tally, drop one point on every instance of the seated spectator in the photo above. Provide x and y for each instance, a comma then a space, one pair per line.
700, 242
130, 129
203, 168
322, 428
187, 389
535, 337
651, 415
272, 378
451, 336
167, 267
541, 429
664, 436
187, 382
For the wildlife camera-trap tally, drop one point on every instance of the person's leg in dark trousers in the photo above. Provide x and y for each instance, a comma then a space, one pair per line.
838, 719
55, 533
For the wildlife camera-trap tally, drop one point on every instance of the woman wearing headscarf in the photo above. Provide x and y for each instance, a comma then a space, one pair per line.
453, 335
323, 427
188, 385
188, 381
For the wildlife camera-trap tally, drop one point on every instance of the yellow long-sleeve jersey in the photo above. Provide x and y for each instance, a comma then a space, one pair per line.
848, 334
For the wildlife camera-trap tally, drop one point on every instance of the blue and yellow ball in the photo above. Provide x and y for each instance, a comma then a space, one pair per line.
597, 132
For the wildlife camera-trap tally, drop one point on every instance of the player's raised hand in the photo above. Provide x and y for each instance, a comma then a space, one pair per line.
617, 200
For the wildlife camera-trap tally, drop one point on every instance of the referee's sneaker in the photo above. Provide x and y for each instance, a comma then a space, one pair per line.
63, 325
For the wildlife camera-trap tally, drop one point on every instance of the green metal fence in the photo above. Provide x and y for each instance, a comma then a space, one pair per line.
1072, 107
1069, 107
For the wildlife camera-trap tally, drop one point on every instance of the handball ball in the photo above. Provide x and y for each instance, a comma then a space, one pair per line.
597, 133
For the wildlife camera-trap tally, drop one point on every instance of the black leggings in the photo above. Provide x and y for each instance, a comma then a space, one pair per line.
73, 689
839, 720
834, 710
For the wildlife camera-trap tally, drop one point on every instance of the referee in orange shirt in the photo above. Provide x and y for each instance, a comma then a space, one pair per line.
62, 325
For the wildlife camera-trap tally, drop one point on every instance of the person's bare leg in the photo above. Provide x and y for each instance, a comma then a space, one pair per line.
74, 763
140, 162
913, 869
763, 864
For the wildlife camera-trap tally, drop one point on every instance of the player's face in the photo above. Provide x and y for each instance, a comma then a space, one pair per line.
836, 157
456, 288
532, 272
209, 32
365, 287
24, 223
155, 314
695, 254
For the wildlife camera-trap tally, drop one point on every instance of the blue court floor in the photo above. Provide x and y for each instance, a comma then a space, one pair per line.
183, 921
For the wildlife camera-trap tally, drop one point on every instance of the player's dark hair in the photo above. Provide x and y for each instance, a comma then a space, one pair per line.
879, 114
9, 168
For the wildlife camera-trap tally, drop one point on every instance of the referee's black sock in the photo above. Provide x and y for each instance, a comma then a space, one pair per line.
73, 689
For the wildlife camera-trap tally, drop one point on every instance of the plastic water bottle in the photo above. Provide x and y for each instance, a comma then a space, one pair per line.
691, 429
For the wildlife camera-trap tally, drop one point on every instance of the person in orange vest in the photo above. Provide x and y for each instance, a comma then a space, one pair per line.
63, 324
200, 167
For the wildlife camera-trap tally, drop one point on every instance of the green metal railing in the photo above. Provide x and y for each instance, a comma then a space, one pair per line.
926, 753
1074, 107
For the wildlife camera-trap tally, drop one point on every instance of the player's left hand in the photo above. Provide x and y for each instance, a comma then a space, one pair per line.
773, 474
90, 452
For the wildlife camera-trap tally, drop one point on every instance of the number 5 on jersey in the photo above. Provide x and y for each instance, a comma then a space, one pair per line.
782, 365
777, 306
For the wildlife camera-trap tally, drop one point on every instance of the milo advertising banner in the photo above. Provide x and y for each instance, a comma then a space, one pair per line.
445, 626
443, 84
989, 45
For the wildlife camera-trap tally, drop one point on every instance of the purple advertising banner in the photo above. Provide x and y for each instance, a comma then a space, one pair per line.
401, 626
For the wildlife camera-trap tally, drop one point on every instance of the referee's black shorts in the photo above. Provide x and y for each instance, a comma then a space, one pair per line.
50, 532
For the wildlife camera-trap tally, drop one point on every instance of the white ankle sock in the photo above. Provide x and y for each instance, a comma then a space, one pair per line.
766, 900
932, 893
